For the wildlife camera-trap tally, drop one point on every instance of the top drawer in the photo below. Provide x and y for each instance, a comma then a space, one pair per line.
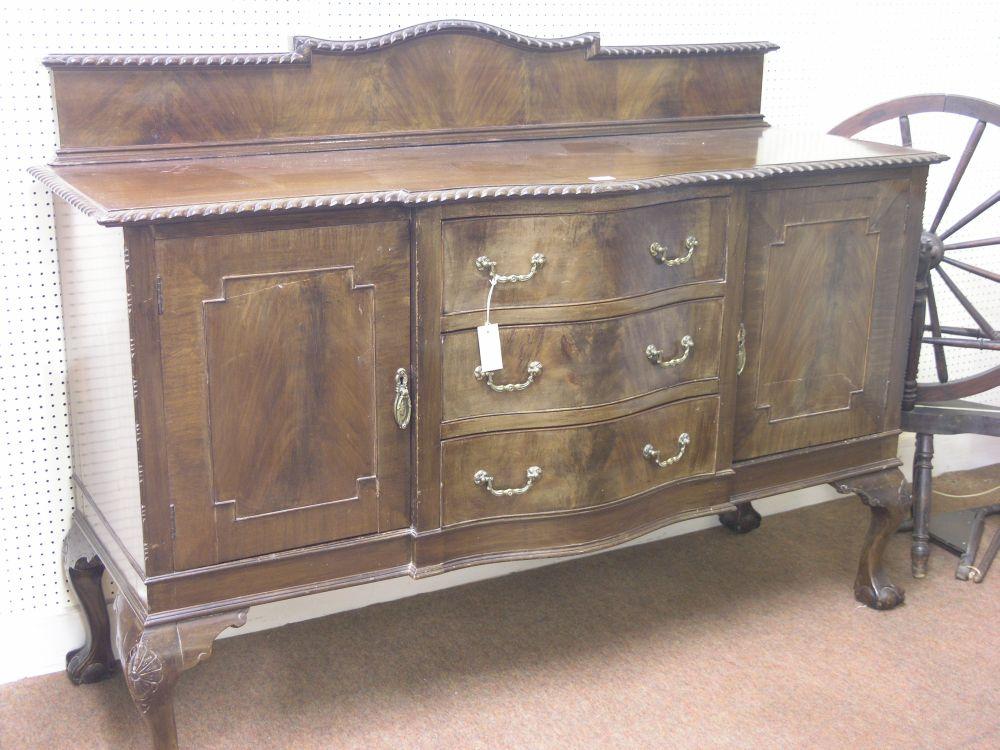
588, 257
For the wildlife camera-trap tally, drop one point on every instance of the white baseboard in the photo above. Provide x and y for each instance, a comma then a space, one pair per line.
36, 643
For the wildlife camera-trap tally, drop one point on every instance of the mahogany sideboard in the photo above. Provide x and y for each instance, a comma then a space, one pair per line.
276, 386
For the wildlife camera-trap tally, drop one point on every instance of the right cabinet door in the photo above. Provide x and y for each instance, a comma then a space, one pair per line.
821, 307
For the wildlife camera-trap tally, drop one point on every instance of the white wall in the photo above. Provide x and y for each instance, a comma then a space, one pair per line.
834, 61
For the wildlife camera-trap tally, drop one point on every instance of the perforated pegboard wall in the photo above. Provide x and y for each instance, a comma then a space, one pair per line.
834, 61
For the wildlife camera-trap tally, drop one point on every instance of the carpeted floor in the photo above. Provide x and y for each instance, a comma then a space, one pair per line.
703, 641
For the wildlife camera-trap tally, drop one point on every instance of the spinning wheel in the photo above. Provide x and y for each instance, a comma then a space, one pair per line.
931, 408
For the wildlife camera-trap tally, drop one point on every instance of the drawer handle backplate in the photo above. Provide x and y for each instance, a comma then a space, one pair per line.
648, 451
655, 355
484, 479
534, 369
659, 252
483, 263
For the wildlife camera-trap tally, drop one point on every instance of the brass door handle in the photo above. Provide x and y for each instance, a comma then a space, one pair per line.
659, 252
402, 408
484, 479
655, 355
534, 369
741, 349
483, 263
648, 451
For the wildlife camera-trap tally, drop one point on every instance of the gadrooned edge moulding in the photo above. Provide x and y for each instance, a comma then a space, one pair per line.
120, 217
304, 46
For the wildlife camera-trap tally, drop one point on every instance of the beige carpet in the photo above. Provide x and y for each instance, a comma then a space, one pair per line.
704, 641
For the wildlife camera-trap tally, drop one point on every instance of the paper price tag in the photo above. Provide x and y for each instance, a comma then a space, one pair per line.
489, 347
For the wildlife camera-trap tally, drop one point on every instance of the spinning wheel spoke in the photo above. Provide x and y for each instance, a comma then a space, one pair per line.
977, 316
973, 243
963, 343
956, 177
956, 331
904, 130
972, 269
939, 361
971, 215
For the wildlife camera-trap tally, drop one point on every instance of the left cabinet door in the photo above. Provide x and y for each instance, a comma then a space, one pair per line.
279, 352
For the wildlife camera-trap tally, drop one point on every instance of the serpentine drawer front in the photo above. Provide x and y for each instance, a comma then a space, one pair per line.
579, 466
695, 310
587, 363
583, 257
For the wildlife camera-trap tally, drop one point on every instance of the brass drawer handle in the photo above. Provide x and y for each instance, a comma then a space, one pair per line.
659, 252
648, 451
485, 479
483, 263
655, 355
402, 408
534, 368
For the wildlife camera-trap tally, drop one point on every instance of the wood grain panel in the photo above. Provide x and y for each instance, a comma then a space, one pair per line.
278, 411
820, 307
585, 364
589, 256
283, 386
582, 466
453, 80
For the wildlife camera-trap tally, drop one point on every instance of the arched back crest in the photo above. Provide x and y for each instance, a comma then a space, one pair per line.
446, 81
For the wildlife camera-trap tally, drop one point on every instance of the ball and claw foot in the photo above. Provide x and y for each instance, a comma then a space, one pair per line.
888, 498
94, 660
743, 519
885, 597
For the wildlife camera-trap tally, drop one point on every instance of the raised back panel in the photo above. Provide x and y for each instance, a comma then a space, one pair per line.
475, 79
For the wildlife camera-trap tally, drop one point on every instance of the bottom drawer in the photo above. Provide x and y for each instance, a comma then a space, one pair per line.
493, 475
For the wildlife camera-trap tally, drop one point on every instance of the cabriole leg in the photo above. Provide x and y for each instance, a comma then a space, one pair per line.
920, 550
886, 495
154, 658
743, 519
94, 660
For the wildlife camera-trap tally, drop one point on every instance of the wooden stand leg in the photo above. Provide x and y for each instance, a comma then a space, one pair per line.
920, 550
742, 520
94, 660
887, 496
154, 658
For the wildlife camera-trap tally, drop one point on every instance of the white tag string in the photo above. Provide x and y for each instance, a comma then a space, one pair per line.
489, 297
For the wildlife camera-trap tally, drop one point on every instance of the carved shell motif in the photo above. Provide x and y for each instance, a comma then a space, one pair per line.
144, 673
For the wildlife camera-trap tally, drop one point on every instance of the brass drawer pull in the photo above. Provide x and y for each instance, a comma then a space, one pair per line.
534, 369
402, 408
659, 252
483, 263
655, 355
648, 451
485, 479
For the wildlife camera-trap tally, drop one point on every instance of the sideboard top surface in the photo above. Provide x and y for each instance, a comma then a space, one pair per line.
119, 193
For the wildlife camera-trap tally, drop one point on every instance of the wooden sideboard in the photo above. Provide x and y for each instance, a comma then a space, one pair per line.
275, 386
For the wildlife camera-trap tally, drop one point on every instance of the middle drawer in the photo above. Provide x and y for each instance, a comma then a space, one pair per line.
584, 364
